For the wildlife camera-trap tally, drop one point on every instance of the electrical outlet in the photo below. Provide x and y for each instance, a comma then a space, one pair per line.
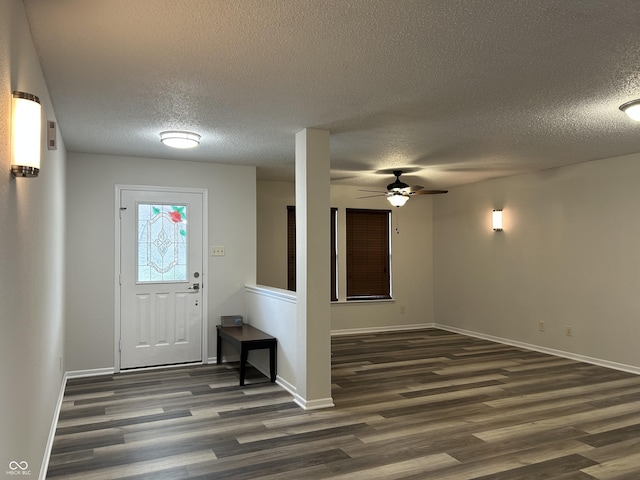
568, 331
403, 309
216, 251
541, 326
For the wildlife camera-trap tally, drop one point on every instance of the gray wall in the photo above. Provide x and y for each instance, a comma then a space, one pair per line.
32, 262
91, 243
569, 255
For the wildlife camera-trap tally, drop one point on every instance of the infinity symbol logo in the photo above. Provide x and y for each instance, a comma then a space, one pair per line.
18, 465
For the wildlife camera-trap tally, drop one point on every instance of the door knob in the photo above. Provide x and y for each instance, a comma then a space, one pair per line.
195, 286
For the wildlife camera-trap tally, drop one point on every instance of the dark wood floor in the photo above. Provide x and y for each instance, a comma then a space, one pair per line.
413, 405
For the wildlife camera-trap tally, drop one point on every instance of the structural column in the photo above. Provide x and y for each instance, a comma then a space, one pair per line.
313, 334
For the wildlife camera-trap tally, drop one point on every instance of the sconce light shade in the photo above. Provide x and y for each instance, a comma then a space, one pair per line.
26, 135
397, 199
180, 139
497, 220
632, 109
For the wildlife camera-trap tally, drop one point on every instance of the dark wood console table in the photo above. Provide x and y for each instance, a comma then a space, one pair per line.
246, 338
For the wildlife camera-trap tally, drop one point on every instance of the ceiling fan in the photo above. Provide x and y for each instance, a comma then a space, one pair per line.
399, 192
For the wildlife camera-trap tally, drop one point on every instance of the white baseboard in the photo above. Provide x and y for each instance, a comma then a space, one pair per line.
389, 328
93, 372
551, 351
52, 430
313, 404
286, 385
302, 402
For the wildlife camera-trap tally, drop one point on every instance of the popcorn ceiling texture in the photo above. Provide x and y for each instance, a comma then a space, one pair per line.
459, 91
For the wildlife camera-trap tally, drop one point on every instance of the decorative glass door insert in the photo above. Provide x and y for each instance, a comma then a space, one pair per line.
162, 243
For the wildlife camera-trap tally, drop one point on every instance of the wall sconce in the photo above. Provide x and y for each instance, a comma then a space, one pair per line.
497, 220
25, 135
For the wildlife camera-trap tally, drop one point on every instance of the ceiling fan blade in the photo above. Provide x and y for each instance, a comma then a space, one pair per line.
429, 192
398, 187
371, 196
374, 191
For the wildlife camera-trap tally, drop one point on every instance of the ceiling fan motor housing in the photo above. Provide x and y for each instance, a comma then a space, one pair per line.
397, 185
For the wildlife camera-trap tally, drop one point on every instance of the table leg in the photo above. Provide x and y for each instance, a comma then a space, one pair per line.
272, 362
244, 353
219, 349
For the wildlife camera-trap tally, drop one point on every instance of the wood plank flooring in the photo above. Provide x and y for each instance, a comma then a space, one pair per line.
415, 405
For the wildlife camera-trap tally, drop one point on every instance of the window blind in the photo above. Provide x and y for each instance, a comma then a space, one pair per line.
368, 254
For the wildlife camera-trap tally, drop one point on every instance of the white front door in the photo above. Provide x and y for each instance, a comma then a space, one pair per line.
161, 277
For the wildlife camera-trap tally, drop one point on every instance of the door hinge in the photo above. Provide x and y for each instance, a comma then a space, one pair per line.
121, 210
120, 345
119, 279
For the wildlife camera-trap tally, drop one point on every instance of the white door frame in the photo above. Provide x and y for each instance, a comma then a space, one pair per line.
205, 264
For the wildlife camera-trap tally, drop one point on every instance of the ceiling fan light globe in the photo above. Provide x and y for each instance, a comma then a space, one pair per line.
397, 200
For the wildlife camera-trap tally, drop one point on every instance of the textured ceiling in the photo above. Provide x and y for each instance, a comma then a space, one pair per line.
456, 91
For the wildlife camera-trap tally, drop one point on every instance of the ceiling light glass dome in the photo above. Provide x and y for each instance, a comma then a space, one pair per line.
176, 139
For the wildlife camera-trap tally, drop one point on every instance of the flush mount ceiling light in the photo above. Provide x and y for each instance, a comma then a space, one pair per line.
175, 139
632, 109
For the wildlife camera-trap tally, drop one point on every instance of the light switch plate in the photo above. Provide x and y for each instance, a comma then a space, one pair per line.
216, 251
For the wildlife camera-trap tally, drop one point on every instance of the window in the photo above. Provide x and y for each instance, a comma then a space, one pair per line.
162, 243
368, 254
291, 248
291, 251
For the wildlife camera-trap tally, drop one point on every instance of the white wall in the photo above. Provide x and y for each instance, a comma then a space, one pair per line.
569, 255
90, 231
272, 201
32, 261
411, 250
274, 311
